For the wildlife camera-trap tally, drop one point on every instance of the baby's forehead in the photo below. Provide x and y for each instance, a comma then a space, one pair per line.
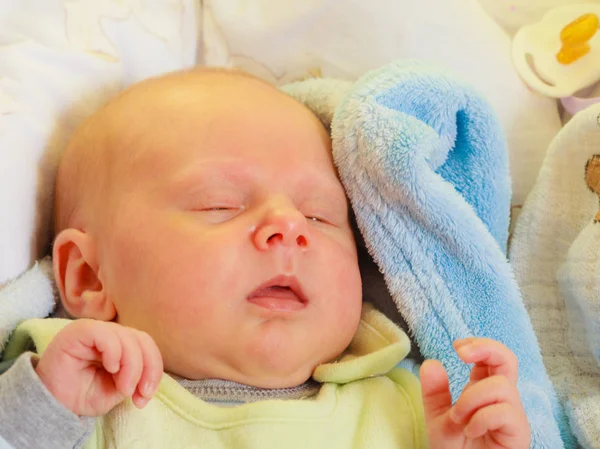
194, 87
181, 98
160, 125
183, 105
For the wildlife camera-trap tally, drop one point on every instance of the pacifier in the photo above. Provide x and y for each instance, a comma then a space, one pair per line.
560, 54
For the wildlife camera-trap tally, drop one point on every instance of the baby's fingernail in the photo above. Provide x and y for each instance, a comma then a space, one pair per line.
466, 350
147, 389
113, 368
141, 402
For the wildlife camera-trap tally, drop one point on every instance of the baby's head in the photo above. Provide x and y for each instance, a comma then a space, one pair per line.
204, 208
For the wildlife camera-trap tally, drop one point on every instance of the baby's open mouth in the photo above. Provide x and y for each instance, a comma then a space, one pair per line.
281, 294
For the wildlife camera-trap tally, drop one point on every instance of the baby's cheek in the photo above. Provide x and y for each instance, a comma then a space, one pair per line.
349, 298
348, 277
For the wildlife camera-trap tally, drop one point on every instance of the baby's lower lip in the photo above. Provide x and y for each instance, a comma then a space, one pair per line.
277, 304
277, 299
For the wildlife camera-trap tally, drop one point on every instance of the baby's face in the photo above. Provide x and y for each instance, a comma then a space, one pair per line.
227, 238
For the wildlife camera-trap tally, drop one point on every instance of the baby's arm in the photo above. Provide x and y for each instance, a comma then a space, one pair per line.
32, 418
489, 413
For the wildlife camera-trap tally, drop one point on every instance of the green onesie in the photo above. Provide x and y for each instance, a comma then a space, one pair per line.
365, 401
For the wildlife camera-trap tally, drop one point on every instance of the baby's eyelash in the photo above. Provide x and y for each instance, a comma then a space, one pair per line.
317, 219
221, 208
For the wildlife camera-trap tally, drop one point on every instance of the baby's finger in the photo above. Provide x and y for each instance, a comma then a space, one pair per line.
130, 372
109, 346
88, 341
97, 343
504, 421
138, 400
482, 394
464, 341
490, 357
152, 369
435, 389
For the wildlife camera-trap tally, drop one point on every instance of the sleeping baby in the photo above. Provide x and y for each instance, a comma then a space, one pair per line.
203, 243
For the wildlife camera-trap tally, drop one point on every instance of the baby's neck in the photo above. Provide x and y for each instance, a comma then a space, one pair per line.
227, 392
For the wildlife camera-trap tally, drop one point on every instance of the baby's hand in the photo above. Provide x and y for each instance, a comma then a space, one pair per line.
488, 414
91, 366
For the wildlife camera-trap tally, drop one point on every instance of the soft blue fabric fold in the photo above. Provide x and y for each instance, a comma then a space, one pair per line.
425, 165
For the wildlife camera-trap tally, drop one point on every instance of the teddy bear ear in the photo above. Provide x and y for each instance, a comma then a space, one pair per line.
592, 173
592, 177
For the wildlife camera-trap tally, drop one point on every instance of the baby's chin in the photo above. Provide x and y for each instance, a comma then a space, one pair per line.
284, 364
257, 369
277, 354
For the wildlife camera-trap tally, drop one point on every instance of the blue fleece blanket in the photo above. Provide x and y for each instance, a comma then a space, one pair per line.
425, 165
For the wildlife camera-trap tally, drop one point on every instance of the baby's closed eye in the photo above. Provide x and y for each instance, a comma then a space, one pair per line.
325, 210
220, 213
316, 218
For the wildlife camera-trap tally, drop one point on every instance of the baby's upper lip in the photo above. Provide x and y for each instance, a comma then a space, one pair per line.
282, 280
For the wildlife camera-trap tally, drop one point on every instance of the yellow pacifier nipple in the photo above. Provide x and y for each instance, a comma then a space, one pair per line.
575, 37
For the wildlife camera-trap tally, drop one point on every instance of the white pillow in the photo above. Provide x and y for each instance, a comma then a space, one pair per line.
59, 61
284, 41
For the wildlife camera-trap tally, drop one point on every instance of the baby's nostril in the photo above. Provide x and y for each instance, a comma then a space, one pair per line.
274, 238
301, 240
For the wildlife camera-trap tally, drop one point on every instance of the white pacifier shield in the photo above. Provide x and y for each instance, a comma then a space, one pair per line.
540, 42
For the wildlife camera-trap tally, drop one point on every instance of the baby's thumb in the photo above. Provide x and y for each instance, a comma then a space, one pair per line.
435, 389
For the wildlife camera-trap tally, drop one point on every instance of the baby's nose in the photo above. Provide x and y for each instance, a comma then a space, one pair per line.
282, 224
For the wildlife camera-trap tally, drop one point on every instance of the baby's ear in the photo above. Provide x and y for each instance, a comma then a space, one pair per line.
75, 261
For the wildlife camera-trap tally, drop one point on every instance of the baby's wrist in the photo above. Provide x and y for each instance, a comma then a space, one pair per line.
48, 380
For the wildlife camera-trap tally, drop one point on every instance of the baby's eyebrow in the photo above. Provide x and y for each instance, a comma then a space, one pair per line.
235, 173
327, 187
206, 173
